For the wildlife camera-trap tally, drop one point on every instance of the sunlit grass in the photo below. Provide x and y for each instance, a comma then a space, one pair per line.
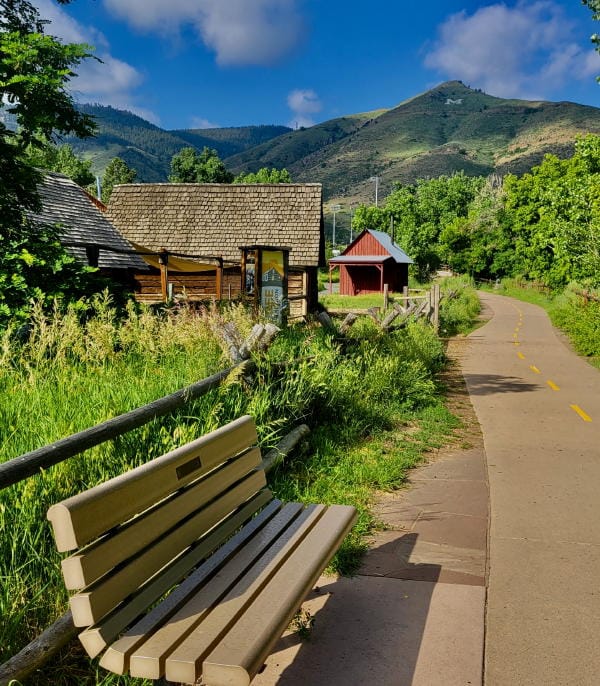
72, 371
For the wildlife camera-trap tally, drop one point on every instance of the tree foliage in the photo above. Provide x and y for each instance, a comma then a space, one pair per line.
264, 175
554, 215
62, 159
115, 173
35, 266
35, 69
34, 72
422, 212
594, 6
369, 217
544, 225
191, 166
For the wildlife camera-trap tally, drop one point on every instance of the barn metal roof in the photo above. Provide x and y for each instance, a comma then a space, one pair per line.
394, 250
360, 259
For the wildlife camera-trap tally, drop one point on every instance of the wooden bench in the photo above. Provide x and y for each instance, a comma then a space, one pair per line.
187, 566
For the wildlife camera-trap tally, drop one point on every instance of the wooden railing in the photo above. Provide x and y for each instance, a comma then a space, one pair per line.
62, 631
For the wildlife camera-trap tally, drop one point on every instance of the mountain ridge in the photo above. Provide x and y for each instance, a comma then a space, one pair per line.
445, 129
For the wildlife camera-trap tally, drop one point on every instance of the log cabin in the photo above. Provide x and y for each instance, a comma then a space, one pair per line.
205, 233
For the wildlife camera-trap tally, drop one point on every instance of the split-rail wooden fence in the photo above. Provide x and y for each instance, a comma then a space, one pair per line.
62, 631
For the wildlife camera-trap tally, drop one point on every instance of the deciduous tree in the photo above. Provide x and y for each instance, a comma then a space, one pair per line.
116, 172
62, 159
191, 166
35, 69
264, 175
594, 6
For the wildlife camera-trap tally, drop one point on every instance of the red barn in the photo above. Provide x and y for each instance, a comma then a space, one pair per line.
369, 262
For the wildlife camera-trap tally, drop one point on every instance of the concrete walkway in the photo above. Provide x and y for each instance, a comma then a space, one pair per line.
416, 614
539, 409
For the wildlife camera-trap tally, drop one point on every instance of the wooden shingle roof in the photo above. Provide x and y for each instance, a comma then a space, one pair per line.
66, 204
217, 219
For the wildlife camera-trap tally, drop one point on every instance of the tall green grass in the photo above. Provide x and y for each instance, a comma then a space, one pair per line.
75, 369
459, 307
580, 319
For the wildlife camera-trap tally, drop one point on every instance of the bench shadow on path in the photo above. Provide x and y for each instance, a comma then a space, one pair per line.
491, 384
368, 629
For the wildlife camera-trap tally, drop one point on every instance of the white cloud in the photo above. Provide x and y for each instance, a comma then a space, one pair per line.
202, 123
110, 81
303, 103
240, 32
526, 50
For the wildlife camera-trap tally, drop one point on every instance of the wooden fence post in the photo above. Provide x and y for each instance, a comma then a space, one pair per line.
436, 307
219, 280
386, 296
163, 261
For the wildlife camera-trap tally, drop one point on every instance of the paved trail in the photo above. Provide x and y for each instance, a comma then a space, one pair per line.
539, 409
416, 613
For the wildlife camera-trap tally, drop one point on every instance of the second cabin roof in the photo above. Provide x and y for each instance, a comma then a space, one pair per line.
216, 219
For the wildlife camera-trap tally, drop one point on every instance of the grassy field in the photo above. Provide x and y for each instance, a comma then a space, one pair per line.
336, 301
374, 412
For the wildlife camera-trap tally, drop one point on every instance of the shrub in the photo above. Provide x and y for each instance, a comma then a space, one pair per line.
459, 306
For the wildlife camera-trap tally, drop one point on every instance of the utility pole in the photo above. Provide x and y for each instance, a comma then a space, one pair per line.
334, 209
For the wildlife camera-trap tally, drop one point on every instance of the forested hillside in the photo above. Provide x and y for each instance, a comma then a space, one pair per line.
149, 149
449, 128
230, 141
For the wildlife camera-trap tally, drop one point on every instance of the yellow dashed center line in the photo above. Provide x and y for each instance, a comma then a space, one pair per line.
515, 335
586, 417
517, 343
520, 354
534, 369
552, 385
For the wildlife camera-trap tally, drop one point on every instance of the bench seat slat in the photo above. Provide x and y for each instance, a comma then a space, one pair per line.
269, 543
94, 602
240, 655
82, 518
97, 638
88, 565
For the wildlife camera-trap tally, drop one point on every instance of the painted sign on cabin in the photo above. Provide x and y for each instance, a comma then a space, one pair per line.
272, 294
270, 291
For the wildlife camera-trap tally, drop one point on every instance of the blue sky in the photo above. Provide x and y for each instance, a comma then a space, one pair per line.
199, 63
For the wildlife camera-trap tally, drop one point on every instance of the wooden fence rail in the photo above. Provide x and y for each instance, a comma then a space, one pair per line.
31, 463
404, 307
587, 296
62, 631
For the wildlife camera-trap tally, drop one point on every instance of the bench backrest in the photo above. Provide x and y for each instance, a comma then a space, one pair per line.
131, 527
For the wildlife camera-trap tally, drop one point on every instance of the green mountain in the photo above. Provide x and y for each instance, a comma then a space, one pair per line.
446, 129
149, 149
230, 141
